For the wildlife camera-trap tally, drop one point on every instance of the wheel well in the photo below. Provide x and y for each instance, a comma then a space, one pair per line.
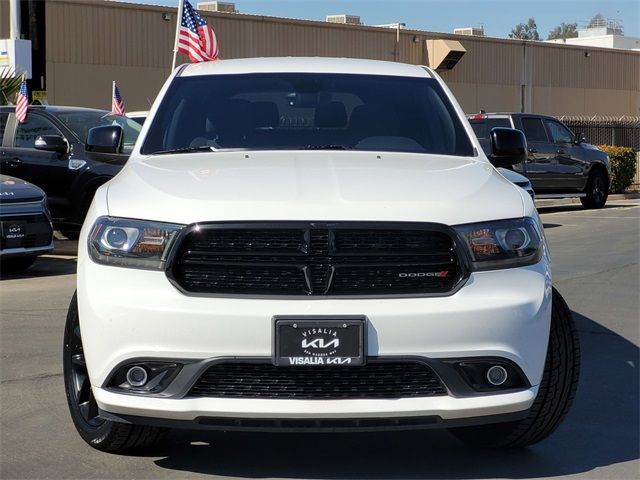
88, 195
598, 167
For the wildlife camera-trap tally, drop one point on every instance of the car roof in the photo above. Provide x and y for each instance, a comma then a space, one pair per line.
305, 65
513, 114
54, 109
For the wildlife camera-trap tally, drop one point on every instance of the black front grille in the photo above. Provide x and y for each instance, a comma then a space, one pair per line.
37, 231
382, 379
316, 260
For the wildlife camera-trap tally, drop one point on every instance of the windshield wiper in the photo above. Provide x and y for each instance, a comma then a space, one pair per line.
329, 146
201, 148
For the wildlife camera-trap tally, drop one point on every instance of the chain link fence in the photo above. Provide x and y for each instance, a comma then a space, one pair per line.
618, 131
621, 132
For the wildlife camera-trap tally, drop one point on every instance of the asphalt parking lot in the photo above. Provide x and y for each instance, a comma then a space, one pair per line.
595, 259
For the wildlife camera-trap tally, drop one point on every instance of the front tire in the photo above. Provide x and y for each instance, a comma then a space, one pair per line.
101, 434
555, 394
597, 190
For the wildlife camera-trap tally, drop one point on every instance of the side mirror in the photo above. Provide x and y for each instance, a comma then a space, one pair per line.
52, 143
508, 147
105, 139
579, 138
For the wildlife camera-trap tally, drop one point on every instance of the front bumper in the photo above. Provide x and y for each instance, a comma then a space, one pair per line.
131, 314
38, 230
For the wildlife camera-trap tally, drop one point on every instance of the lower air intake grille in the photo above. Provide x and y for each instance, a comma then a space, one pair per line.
382, 379
310, 259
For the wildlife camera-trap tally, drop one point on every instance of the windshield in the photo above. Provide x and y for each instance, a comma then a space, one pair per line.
307, 111
482, 127
81, 121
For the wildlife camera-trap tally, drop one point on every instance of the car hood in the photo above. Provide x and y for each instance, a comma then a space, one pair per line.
316, 185
14, 189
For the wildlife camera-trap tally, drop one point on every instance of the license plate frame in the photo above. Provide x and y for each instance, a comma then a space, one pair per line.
13, 231
336, 341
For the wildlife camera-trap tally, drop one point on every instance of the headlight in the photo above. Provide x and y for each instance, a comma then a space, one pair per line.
131, 243
502, 244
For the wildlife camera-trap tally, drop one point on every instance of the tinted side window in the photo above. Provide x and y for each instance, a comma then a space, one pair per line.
3, 124
534, 130
559, 133
27, 132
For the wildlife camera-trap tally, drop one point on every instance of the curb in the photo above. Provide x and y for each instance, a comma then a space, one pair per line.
558, 202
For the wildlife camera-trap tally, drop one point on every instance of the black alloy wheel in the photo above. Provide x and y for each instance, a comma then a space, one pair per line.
597, 191
99, 433
78, 386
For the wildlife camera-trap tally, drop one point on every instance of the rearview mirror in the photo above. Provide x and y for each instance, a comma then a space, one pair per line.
105, 139
508, 147
51, 143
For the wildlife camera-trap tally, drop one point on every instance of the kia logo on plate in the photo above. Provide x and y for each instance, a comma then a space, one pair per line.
320, 341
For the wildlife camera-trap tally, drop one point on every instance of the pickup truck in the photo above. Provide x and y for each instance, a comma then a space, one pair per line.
559, 163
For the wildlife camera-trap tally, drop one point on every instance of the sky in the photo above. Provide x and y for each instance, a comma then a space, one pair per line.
497, 16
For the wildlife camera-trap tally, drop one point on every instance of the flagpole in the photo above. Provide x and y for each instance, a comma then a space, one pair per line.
175, 43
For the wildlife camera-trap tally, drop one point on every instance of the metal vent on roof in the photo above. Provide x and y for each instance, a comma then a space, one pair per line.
225, 7
343, 18
471, 31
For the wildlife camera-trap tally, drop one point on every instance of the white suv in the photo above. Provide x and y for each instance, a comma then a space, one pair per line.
314, 244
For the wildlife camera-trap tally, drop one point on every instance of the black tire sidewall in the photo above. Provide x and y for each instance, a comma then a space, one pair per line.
589, 201
94, 435
548, 409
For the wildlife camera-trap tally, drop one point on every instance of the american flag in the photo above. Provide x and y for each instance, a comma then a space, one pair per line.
117, 105
195, 37
22, 103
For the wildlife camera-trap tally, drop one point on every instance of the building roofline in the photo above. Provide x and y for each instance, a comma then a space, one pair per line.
427, 35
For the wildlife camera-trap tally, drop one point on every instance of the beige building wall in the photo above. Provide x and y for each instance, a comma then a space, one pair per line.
4, 19
91, 43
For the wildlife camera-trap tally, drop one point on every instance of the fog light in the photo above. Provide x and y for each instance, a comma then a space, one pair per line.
497, 375
136, 376
142, 376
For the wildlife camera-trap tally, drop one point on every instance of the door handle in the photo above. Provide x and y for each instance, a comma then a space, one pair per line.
14, 162
533, 150
561, 152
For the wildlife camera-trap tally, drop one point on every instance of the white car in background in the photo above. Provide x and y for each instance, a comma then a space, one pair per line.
315, 244
139, 116
519, 180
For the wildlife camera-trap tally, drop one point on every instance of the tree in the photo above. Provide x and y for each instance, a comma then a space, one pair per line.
9, 86
596, 21
525, 31
564, 30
